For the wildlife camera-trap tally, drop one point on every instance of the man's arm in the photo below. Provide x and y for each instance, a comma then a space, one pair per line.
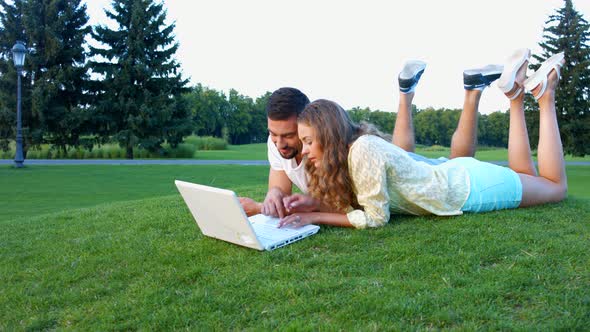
250, 206
279, 186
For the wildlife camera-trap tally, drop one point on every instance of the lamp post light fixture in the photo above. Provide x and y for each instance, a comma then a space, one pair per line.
18, 55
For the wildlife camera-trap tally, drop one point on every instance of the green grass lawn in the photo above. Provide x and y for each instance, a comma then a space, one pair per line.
114, 247
236, 152
258, 152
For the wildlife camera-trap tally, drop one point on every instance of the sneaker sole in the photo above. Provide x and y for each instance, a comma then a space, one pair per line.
513, 64
410, 74
476, 78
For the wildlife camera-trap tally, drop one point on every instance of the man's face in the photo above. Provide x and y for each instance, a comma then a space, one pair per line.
283, 134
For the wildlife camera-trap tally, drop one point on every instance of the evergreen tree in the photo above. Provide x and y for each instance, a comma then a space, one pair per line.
567, 31
56, 30
11, 30
139, 97
53, 89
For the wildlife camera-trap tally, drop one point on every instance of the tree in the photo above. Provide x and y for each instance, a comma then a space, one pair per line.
207, 105
493, 129
567, 31
384, 121
139, 97
238, 117
11, 30
258, 128
56, 30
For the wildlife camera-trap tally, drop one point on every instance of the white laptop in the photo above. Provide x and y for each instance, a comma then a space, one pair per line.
220, 215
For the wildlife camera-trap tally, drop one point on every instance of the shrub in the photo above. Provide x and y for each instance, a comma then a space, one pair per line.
187, 149
206, 142
435, 148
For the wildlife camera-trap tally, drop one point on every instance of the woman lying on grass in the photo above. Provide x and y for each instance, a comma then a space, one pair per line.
357, 178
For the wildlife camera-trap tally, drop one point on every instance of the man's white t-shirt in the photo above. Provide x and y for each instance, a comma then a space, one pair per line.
295, 173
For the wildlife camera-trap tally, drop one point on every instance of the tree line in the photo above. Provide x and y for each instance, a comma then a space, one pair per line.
88, 85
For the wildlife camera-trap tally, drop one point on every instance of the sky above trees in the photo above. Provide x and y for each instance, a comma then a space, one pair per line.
350, 52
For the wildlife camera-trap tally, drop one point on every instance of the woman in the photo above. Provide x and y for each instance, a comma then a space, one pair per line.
357, 179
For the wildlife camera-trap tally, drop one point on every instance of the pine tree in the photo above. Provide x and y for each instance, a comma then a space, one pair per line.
56, 30
139, 97
53, 98
11, 30
567, 31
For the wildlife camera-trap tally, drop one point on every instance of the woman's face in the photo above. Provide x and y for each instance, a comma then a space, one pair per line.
311, 147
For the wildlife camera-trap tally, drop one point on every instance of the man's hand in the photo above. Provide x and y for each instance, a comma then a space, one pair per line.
273, 203
300, 203
251, 207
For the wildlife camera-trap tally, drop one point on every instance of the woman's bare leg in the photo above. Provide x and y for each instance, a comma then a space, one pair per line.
551, 184
464, 140
519, 149
403, 131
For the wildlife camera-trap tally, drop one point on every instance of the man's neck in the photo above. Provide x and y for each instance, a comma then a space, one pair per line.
298, 159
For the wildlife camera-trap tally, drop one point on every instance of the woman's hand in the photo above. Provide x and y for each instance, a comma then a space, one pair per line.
300, 203
297, 220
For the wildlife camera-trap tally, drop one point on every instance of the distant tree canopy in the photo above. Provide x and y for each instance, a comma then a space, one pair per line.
128, 88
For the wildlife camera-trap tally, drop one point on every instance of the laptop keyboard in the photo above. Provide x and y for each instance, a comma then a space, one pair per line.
272, 237
271, 231
266, 227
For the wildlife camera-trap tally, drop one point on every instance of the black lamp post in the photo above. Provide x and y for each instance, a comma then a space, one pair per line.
18, 54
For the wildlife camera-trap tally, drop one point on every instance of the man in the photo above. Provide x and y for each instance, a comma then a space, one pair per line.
284, 153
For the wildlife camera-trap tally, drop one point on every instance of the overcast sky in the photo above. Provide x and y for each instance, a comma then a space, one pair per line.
351, 51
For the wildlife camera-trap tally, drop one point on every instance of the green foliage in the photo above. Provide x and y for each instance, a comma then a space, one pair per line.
567, 31
206, 143
53, 89
139, 97
207, 106
186, 150
237, 118
56, 31
493, 129
435, 126
384, 121
11, 30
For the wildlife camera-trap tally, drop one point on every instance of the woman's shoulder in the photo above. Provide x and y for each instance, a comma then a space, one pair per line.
370, 145
367, 140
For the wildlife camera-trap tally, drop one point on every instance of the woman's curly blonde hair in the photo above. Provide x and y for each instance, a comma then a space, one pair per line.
335, 132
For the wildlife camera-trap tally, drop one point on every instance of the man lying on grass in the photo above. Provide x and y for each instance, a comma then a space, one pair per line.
284, 153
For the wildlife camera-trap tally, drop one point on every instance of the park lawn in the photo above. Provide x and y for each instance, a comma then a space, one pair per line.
485, 154
258, 152
134, 259
36, 190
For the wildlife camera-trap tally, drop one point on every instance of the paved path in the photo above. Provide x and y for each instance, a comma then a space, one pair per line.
180, 162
